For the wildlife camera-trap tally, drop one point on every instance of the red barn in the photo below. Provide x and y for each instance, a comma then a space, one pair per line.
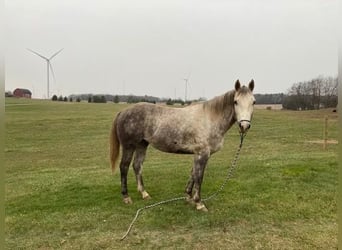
22, 93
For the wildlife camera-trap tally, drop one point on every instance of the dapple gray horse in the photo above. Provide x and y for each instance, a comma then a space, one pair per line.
197, 129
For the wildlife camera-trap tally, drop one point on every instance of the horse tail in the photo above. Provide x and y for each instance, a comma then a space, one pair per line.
114, 144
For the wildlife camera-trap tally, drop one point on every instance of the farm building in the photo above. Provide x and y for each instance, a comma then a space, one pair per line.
22, 93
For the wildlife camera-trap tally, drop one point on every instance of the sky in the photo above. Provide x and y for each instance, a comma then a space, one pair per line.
149, 47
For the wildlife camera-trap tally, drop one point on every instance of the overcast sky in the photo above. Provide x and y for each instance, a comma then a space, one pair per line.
147, 47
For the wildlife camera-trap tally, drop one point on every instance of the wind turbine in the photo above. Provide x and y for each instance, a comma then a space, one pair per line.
186, 87
49, 66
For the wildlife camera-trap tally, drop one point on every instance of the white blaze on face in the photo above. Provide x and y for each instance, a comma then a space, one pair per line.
244, 111
243, 105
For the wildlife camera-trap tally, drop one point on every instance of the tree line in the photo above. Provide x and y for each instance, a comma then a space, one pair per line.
114, 98
317, 93
320, 92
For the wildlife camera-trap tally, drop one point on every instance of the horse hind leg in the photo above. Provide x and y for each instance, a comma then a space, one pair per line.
139, 158
127, 155
189, 187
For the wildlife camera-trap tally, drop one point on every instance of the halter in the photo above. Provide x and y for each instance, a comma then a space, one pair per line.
244, 121
249, 121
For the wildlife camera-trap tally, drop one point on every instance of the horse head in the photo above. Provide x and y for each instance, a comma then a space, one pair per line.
243, 105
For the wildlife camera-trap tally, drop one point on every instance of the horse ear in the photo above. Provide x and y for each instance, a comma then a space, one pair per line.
237, 85
251, 85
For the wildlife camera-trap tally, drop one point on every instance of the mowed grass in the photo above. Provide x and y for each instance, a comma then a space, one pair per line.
61, 194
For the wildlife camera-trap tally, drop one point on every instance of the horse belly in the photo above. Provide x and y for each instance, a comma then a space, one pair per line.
172, 148
171, 140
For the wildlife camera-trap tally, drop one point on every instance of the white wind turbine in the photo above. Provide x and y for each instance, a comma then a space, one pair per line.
49, 66
186, 87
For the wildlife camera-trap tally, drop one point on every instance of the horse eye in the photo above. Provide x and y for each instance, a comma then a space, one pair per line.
235, 102
253, 102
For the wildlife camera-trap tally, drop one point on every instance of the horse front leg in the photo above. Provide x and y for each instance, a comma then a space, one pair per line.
189, 187
200, 162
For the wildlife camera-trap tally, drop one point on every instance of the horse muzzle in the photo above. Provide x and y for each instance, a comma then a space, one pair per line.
244, 125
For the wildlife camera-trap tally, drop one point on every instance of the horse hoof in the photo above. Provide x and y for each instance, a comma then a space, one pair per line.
201, 207
145, 195
127, 200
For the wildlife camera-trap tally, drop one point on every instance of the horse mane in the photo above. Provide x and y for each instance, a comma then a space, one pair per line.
220, 103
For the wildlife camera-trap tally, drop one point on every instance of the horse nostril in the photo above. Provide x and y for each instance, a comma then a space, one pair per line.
245, 126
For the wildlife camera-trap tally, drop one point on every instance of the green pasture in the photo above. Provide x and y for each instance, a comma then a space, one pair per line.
61, 194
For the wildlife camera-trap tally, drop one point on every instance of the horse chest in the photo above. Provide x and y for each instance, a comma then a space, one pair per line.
216, 145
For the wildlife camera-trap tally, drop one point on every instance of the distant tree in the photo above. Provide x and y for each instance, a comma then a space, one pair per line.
8, 94
65, 99
130, 99
313, 94
269, 98
78, 99
60, 98
89, 99
99, 99
54, 98
290, 102
330, 92
95, 98
169, 102
70, 99
103, 99
116, 99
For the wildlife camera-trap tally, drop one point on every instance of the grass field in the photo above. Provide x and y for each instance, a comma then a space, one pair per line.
61, 194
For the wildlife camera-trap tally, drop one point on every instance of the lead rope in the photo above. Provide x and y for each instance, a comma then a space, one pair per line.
230, 170
229, 175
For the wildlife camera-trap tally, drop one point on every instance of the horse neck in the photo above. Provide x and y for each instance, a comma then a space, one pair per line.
230, 120
221, 111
